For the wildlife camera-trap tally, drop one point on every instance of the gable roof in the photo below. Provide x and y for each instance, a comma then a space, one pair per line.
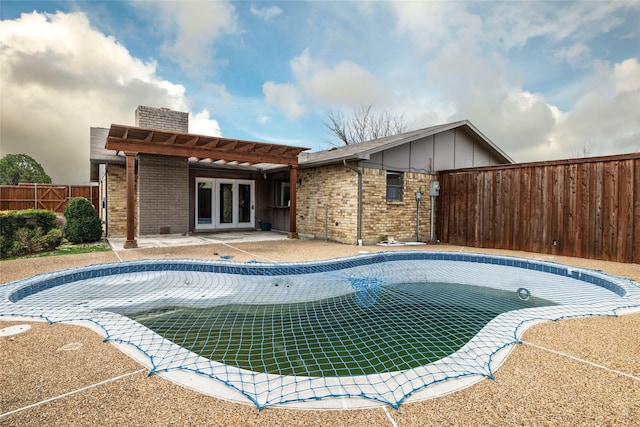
363, 150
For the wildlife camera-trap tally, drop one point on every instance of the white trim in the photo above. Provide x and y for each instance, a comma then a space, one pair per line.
216, 223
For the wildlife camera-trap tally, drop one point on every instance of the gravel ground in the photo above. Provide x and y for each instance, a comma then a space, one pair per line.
537, 384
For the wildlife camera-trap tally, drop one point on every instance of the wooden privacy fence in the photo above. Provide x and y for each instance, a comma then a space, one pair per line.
45, 196
588, 208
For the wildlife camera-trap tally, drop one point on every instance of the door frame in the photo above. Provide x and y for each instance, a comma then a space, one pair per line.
215, 223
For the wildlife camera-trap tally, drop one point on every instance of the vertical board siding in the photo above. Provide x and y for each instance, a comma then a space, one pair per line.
45, 196
589, 207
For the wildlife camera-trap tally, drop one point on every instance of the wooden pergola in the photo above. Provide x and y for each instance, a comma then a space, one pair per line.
133, 140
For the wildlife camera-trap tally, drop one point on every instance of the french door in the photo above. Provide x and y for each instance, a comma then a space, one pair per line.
224, 204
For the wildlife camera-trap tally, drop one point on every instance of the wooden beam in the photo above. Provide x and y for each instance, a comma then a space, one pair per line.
180, 144
246, 148
148, 138
192, 142
209, 143
181, 151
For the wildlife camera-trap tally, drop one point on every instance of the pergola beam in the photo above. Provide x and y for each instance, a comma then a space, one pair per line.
177, 144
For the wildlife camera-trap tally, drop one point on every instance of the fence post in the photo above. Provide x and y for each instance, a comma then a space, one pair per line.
35, 196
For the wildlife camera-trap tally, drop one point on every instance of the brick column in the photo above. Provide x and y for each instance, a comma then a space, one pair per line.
130, 241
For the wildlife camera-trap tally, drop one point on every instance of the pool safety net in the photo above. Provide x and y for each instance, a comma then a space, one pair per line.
380, 326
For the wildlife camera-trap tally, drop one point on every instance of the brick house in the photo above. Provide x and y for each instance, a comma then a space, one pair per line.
156, 178
384, 188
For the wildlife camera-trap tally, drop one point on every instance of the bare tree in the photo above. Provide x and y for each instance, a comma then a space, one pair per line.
583, 150
364, 125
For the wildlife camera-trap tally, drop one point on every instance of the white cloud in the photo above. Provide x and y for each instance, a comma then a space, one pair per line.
480, 91
200, 123
432, 24
576, 21
285, 97
626, 76
190, 29
605, 119
263, 119
346, 85
265, 13
59, 77
466, 50
573, 53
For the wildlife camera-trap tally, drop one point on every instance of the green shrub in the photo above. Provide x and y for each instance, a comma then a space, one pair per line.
28, 231
52, 239
27, 241
82, 221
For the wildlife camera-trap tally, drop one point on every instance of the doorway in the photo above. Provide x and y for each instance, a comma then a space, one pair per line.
224, 204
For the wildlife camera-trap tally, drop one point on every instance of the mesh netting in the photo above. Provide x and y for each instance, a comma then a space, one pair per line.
379, 326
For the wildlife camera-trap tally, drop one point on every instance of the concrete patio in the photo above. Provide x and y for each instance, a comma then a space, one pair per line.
175, 240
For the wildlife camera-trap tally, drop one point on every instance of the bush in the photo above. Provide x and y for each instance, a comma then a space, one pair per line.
52, 239
27, 241
28, 231
82, 221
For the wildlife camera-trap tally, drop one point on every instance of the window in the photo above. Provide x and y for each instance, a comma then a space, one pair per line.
281, 193
394, 186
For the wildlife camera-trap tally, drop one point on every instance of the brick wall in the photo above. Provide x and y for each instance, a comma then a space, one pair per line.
336, 187
116, 200
162, 119
163, 194
162, 183
333, 186
382, 218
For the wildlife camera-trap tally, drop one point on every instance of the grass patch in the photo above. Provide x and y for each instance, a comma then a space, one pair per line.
69, 249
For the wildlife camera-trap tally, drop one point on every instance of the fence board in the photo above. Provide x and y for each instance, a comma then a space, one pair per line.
636, 212
45, 196
590, 207
625, 221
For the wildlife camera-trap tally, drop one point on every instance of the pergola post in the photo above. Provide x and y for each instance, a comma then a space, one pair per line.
130, 241
293, 178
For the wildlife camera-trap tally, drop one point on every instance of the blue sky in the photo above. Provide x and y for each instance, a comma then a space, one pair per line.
543, 80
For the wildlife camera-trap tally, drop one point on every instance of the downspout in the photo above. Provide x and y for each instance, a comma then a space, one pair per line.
105, 178
359, 172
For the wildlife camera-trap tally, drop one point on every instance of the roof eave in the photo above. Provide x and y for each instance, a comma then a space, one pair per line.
306, 163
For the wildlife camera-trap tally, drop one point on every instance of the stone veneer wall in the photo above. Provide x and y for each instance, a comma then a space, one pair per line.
116, 200
163, 194
337, 187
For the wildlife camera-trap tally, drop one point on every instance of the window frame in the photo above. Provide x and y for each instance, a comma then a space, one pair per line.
398, 188
281, 193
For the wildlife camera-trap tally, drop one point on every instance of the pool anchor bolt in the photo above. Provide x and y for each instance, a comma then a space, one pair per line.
523, 294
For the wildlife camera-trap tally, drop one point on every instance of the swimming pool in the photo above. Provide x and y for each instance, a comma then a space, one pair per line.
362, 327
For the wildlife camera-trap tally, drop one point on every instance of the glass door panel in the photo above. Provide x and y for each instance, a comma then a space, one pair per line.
245, 204
204, 199
225, 202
